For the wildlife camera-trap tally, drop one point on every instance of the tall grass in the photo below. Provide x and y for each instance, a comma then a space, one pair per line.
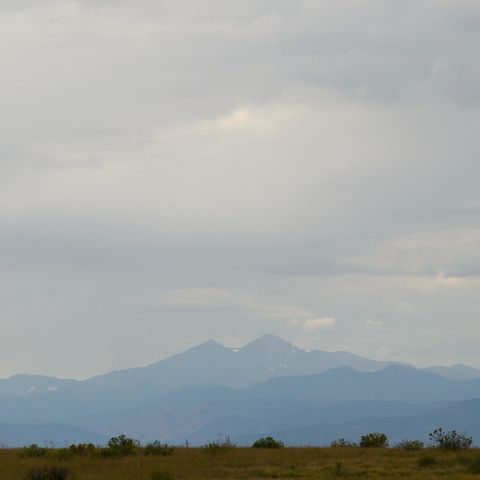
248, 463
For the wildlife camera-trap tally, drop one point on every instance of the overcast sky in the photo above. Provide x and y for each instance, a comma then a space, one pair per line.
178, 170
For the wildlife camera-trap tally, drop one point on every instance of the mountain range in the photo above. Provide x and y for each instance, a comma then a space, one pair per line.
28, 385
54, 434
268, 385
461, 416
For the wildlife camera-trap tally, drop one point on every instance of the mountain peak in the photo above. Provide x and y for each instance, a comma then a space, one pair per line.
268, 342
209, 345
400, 368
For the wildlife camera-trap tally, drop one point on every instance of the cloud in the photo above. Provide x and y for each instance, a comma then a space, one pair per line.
313, 324
374, 323
198, 299
217, 169
208, 299
382, 352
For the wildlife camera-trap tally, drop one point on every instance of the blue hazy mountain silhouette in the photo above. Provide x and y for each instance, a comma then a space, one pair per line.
269, 385
460, 416
343, 393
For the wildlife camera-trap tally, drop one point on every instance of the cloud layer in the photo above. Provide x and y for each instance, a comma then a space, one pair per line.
174, 171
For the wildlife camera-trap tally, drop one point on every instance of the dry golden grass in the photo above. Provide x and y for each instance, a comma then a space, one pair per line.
245, 463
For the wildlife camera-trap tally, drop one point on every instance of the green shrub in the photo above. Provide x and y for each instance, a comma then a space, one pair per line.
157, 448
34, 451
450, 440
268, 442
374, 440
222, 444
47, 473
343, 443
426, 461
121, 446
162, 475
410, 445
83, 449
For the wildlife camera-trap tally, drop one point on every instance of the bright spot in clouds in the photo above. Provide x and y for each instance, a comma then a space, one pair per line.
314, 324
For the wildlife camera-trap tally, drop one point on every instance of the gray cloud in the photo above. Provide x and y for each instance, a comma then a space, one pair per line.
283, 160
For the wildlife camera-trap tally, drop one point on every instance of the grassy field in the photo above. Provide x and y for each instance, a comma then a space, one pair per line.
247, 463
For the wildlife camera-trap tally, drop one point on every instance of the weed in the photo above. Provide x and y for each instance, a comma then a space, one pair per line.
221, 445
34, 451
475, 466
427, 461
162, 475
157, 448
410, 445
47, 473
83, 449
343, 443
340, 470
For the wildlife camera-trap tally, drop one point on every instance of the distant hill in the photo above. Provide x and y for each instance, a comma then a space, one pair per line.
393, 383
333, 396
455, 372
51, 435
29, 385
337, 414
460, 416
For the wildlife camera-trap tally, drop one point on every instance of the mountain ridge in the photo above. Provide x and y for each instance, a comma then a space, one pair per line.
186, 413
25, 385
51, 434
267, 345
268, 383
461, 416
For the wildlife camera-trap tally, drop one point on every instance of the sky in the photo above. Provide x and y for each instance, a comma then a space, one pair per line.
178, 170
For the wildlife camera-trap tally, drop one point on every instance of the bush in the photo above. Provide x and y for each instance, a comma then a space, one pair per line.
222, 444
121, 446
268, 442
82, 449
410, 445
426, 461
450, 440
343, 443
162, 475
374, 440
34, 451
157, 448
47, 473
